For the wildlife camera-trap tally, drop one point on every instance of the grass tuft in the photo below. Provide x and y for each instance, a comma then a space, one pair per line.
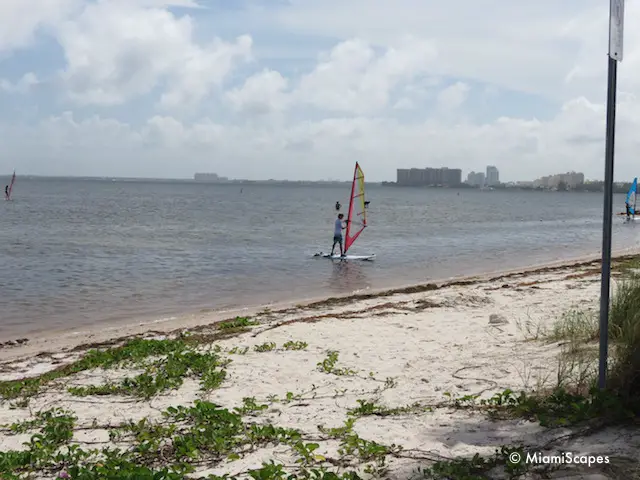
291, 345
577, 326
328, 365
265, 347
624, 332
237, 323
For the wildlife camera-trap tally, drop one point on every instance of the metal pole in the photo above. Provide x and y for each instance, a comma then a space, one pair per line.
607, 219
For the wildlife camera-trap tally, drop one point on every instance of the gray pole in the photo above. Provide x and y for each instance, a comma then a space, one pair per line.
616, 26
607, 219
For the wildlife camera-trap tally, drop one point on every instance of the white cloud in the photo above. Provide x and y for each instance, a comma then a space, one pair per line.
166, 3
117, 50
21, 19
352, 78
587, 70
453, 97
23, 85
404, 104
535, 47
262, 93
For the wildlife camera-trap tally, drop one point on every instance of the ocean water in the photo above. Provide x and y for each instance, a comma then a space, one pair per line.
84, 252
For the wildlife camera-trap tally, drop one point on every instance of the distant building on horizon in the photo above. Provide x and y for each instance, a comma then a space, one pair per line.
209, 177
415, 177
476, 179
524, 183
492, 178
570, 180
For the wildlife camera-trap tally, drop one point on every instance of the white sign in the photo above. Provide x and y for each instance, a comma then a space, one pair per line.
616, 29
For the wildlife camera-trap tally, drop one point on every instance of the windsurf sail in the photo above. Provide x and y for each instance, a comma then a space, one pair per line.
13, 180
357, 216
631, 196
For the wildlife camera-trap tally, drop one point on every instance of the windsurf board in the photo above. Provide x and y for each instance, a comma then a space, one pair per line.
346, 257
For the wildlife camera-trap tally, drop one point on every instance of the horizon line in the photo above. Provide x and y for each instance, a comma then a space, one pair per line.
238, 180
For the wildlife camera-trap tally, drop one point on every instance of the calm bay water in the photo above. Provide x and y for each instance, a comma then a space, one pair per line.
79, 252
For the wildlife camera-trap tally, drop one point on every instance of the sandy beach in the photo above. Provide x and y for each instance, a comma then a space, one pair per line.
399, 367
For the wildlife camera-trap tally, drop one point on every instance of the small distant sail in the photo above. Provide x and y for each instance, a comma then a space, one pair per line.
357, 216
13, 180
631, 196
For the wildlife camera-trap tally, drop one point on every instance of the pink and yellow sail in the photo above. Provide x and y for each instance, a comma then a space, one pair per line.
357, 216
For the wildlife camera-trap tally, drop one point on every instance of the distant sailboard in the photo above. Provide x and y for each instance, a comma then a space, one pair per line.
356, 218
7, 195
631, 200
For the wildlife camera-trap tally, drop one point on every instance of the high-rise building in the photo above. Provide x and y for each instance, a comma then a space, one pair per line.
493, 176
403, 176
429, 176
476, 179
450, 176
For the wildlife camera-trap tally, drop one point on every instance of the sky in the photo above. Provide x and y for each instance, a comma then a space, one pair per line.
301, 89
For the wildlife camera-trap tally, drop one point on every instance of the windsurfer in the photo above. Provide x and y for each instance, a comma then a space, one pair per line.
337, 234
6, 192
628, 209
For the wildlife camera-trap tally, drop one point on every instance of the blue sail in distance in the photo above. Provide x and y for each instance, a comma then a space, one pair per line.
631, 196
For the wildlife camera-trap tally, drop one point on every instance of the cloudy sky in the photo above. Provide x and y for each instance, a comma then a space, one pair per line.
304, 88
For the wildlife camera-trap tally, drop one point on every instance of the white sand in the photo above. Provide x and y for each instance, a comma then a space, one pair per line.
429, 343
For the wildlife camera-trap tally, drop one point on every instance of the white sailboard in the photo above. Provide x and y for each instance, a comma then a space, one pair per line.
346, 257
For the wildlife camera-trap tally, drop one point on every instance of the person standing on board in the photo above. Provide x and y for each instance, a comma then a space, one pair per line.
628, 208
6, 192
337, 233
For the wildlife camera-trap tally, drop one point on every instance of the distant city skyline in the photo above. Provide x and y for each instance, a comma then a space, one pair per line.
580, 177
551, 179
445, 176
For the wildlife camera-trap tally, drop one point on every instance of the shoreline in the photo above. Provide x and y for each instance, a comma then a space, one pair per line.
408, 367
75, 338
